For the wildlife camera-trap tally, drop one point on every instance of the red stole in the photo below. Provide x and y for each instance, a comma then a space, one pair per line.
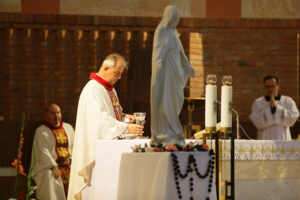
109, 88
62, 151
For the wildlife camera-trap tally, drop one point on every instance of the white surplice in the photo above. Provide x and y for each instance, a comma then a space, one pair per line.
95, 120
274, 126
44, 142
170, 72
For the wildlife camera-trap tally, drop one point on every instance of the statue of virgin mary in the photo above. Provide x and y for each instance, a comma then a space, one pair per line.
170, 73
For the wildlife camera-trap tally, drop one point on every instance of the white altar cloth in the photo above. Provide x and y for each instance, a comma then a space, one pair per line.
256, 176
108, 156
264, 169
150, 176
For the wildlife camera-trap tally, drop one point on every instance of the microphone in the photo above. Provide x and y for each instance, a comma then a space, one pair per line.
237, 123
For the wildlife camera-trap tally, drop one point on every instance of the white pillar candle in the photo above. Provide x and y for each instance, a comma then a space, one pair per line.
226, 106
210, 106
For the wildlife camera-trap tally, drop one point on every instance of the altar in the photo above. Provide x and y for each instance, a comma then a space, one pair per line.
264, 169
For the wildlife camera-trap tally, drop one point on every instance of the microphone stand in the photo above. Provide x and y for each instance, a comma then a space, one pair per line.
237, 124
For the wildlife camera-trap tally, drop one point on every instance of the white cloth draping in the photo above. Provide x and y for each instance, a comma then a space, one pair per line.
95, 120
150, 176
108, 157
274, 126
44, 154
170, 72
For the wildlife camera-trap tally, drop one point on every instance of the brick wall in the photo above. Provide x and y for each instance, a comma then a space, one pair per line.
48, 58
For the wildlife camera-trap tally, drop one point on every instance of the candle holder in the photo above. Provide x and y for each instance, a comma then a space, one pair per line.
211, 79
210, 129
227, 80
226, 131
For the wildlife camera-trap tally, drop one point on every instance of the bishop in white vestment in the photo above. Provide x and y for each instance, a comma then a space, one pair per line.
99, 116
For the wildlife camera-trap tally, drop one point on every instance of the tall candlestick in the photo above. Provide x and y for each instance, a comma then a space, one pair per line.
211, 104
226, 104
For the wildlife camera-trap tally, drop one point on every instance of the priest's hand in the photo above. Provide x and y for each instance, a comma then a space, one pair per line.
67, 161
273, 103
55, 172
135, 129
130, 117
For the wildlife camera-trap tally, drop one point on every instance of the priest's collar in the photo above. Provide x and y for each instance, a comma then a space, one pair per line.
52, 127
100, 80
277, 98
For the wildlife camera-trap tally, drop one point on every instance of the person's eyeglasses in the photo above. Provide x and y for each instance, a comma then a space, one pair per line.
270, 86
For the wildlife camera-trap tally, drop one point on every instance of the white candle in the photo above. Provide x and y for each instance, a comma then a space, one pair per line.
210, 106
226, 106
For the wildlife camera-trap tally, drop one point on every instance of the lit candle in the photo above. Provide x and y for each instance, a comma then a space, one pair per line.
211, 103
226, 104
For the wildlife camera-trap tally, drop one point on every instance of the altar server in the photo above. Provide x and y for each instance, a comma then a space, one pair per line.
99, 116
273, 114
170, 73
51, 156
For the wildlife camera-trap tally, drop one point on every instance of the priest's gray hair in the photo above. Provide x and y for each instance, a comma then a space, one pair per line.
49, 106
111, 60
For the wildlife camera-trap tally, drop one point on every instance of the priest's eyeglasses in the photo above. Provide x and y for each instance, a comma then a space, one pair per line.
270, 86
